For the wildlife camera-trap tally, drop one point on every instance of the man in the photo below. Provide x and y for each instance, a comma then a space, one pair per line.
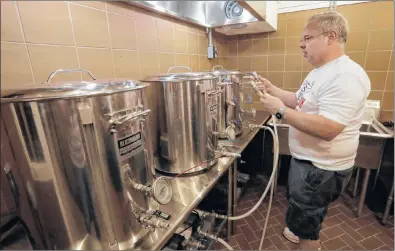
324, 115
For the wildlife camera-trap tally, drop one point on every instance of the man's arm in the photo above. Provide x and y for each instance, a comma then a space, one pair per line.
288, 98
315, 125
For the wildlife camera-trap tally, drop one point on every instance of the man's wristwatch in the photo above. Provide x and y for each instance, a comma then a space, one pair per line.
280, 113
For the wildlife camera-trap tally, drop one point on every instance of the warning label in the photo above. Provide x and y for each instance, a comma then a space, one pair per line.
130, 145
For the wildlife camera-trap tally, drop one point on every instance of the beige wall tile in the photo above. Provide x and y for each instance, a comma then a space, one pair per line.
386, 116
295, 27
354, 12
47, 59
245, 48
259, 63
244, 63
389, 86
231, 63
222, 61
182, 60
90, 27
98, 61
120, 8
204, 64
10, 27
127, 64
180, 25
195, 29
303, 14
257, 106
194, 62
203, 44
292, 79
391, 67
123, 32
384, 15
94, 4
281, 29
358, 57
377, 61
276, 63
46, 22
276, 46
381, 40
222, 49
213, 62
293, 62
180, 41
293, 45
304, 75
276, 78
232, 48
166, 60
376, 95
147, 34
15, 66
165, 35
193, 43
357, 41
377, 80
149, 63
306, 65
388, 101
260, 46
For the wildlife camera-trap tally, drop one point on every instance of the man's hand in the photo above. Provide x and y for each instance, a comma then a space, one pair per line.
271, 104
266, 86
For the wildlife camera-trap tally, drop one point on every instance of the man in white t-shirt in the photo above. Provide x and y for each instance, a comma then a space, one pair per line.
325, 116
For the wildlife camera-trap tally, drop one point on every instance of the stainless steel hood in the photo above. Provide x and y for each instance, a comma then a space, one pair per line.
211, 14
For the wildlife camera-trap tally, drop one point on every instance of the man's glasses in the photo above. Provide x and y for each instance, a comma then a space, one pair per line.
308, 38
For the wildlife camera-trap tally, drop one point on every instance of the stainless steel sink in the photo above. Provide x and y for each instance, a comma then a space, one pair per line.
371, 142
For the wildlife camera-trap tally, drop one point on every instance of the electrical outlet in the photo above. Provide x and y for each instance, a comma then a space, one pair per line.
249, 98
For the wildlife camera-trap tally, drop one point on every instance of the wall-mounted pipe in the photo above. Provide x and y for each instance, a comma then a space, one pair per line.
211, 51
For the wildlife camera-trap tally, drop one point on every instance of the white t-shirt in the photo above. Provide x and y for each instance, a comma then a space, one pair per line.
337, 91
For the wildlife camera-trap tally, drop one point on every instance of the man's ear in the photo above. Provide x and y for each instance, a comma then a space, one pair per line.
332, 37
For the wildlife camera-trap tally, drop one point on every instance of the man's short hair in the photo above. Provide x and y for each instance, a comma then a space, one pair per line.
331, 21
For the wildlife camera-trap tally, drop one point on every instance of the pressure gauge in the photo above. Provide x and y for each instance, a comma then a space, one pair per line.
162, 190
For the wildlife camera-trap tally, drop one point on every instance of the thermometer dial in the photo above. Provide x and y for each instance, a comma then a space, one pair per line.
162, 190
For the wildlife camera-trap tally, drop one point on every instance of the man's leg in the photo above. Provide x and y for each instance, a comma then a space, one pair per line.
310, 192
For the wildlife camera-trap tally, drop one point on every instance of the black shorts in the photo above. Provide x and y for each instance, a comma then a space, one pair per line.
310, 191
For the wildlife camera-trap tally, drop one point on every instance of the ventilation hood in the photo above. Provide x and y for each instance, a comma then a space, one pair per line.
227, 17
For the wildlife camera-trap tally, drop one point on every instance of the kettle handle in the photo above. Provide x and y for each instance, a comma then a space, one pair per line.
174, 67
215, 66
68, 70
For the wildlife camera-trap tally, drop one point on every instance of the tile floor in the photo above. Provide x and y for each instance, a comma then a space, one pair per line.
341, 230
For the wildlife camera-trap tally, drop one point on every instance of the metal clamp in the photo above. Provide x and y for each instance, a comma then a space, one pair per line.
217, 66
69, 71
174, 67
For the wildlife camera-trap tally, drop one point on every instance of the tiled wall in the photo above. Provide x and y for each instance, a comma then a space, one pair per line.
277, 55
116, 40
110, 39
